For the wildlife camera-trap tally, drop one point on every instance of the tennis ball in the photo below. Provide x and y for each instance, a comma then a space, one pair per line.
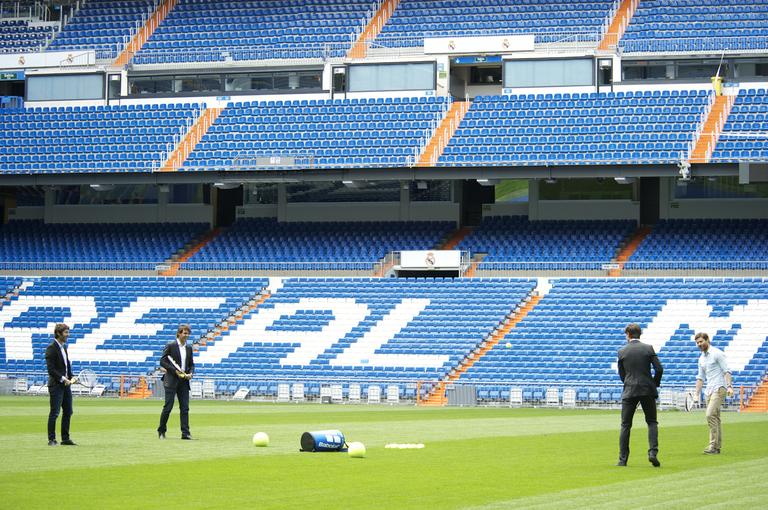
508, 345
260, 439
356, 450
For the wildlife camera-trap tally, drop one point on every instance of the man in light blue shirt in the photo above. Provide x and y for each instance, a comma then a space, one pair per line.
713, 368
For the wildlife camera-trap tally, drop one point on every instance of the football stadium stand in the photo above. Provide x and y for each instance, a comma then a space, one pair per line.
706, 244
286, 244
743, 136
510, 240
34, 244
126, 138
105, 26
586, 128
549, 21
366, 331
24, 36
318, 133
310, 29
696, 26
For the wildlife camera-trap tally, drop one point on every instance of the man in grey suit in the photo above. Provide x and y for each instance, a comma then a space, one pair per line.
635, 361
179, 367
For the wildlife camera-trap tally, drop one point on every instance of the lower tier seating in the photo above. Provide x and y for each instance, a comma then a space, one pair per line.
376, 332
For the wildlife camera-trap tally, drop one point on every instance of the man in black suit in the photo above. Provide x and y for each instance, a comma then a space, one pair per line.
179, 367
59, 385
635, 361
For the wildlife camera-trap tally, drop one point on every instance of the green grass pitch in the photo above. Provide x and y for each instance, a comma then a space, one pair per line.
478, 458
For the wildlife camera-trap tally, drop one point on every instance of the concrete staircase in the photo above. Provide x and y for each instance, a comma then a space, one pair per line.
360, 48
437, 396
758, 403
618, 26
442, 135
629, 248
711, 129
185, 254
144, 33
191, 139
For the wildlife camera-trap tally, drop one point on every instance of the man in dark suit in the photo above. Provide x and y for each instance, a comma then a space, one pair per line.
60, 382
179, 367
635, 361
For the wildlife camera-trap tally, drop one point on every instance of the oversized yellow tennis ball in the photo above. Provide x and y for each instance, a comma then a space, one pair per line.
260, 439
508, 345
356, 450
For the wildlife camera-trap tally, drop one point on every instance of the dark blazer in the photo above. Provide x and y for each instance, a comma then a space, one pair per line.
170, 379
635, 360
55, 363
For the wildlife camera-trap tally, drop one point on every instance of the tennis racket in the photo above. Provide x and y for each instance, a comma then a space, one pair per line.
690, 402
175, 365
86, 377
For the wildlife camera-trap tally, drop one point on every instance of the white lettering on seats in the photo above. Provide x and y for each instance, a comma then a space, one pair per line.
752, 317
363, 352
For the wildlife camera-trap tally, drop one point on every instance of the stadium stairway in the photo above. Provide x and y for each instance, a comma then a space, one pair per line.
437, 396
625, 253
621, 19
477, 259
442, 135
360, 47
711, 129
455, 238
194, 135
236, 316
144, 33
177, 260
758, 402
140, 391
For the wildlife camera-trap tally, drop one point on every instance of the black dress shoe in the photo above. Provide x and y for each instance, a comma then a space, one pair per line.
161, 435
654, 460
187, 437
68, 442
52, 442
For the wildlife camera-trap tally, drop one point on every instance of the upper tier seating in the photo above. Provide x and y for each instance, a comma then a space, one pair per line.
103, 25
23, 36
119, 324
318, 133
697, 25
126, 138
285, 244
218, 30
516, 243
707, 244
744, 134
549, 20
588, 128
573, 334
85, 246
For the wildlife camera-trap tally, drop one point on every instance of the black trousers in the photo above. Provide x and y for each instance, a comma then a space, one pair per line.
60, 398
628, 407
181, 391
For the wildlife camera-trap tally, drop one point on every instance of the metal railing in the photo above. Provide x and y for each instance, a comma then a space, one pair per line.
745, 44
389, 390
380, 267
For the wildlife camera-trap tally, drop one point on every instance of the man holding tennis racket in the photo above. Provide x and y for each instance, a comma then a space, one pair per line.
60, 382
713, 368
179, 367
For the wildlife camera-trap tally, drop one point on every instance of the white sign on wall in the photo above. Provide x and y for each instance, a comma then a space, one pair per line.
467, 45
430, 259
